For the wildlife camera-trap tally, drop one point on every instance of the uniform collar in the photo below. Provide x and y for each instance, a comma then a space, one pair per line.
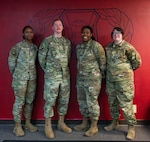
118, 45
87, 44
57, 38
27, 43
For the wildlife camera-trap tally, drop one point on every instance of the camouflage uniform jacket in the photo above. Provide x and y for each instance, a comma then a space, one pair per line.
91, 60
21, 61
54, 56
122, 59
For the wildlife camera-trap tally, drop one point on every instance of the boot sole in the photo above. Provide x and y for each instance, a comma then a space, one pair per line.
31, 130
128, 138
49, 136
84, 129
115, 128
90, 135
17, 135
60, 129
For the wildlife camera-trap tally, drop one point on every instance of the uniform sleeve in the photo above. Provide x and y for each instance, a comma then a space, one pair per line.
12, 59
134, 57
77, 50
36, 50
101, 58
42, 54
69, 51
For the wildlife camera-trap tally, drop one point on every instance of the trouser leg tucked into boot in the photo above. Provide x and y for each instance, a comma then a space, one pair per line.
48, 129
114, 125
62, 126
131, 132
93, 129
18, 131
83, 126
30, 126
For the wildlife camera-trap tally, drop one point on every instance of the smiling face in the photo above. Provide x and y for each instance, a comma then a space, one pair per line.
86, 35
117, 36
28, 34
57, 27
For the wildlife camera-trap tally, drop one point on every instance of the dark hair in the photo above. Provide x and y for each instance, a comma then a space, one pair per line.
58, 19
26, 27
118, 29
91, 30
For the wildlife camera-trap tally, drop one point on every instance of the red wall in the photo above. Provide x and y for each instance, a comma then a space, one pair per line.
133, 16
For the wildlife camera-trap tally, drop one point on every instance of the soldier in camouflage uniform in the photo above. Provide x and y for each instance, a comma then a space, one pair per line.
54, 57
91, 68
21, 62
122, 59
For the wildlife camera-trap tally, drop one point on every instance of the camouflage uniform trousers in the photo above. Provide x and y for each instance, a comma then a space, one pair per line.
87, 93
121, 94
24, 92
53, 88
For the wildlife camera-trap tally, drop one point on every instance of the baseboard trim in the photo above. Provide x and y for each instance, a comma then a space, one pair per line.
100, 122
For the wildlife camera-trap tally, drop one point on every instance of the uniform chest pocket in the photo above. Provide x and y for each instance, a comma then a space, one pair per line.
87, 55
119, 54
122, 55
52, 53
23, 54
90, 56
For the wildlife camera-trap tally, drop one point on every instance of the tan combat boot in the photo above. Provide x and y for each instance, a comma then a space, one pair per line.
18, 131
48, 129
93, 129
114, 125
62, 126
83, 126
30, 126
131, 132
